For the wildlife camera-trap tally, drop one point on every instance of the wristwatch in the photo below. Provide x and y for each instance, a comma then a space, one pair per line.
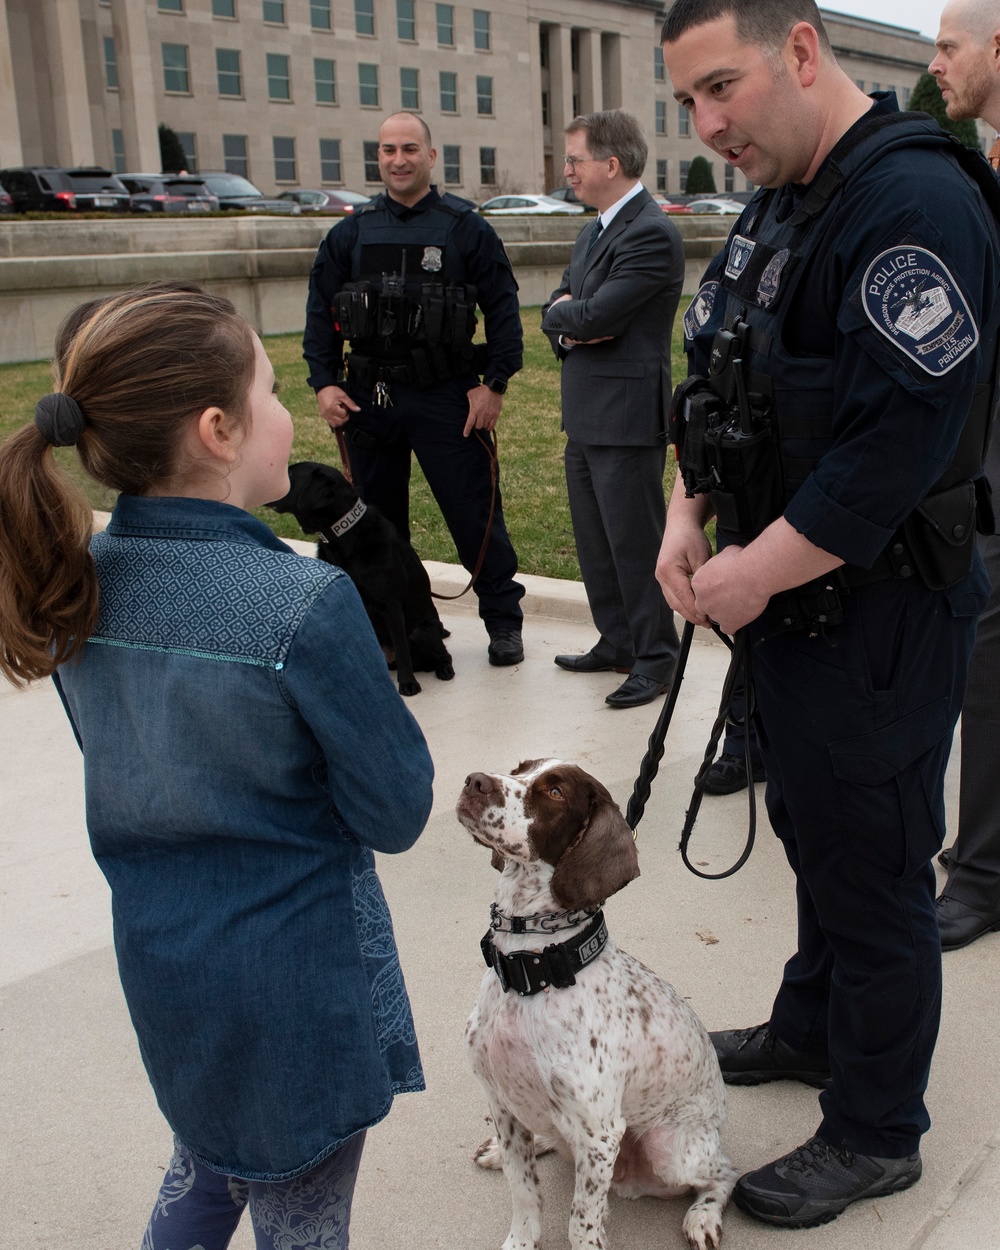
496, 386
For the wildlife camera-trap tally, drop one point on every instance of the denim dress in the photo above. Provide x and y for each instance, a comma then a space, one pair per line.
245, 752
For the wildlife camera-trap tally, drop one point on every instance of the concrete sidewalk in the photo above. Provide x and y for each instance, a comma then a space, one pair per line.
83, 1147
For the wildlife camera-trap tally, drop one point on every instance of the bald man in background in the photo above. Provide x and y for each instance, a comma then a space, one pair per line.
967, 68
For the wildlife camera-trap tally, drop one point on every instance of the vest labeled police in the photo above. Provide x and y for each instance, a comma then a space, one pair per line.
910, 296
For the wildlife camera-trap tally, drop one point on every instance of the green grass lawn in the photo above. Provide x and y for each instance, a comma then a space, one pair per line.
530, 442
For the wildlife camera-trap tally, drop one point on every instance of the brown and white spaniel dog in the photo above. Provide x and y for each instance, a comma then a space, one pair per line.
614, 1069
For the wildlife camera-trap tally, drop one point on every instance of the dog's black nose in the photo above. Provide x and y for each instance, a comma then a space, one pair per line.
478, 783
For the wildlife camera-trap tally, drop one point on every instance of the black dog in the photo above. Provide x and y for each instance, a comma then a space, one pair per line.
392, 582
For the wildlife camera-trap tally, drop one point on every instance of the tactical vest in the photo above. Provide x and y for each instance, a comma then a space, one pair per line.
408, 312
752, 432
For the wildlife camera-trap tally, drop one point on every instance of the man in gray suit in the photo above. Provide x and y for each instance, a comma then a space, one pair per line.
610, 323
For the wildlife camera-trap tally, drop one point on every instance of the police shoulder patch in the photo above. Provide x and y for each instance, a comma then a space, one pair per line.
700, 309
910, 296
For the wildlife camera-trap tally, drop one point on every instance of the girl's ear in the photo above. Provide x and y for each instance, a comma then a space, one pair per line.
219, 435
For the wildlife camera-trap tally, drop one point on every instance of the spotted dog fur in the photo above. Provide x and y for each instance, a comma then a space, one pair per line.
616, 1072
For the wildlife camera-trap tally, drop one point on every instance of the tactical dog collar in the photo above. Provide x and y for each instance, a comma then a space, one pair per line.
339, 528
540, 922
532, 972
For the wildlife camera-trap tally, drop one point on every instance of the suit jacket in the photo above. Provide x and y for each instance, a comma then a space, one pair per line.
618, 392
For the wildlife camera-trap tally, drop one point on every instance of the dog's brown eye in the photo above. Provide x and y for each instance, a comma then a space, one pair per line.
555, 792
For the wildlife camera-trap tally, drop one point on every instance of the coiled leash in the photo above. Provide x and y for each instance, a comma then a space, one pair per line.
739, 665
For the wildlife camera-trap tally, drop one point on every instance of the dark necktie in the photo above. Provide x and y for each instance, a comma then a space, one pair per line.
595, 234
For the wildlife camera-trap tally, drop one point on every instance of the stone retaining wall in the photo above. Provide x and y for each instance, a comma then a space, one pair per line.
261, 263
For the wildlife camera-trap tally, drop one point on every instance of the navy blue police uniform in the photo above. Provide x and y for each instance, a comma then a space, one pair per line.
865, 308
401, 284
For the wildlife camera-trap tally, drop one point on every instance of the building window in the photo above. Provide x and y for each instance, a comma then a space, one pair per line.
545, 108
110, 65
368, 85
234, 155
223, 8
227, 69
484, 96
481, 29
685, 169
325, 76
661, 117
446, 24
329, 160
175, 68
452, 165
876, 86
187, 141
730, 178
170, 6
543, 47
118, 151
279, 82
859, 83
659, 69
906, 97
406, 19
284, 158
488, 166
890, 87
449, 91
319, 15
274, 12
683, 121
409, 88
371, 162
661, 175
364, 17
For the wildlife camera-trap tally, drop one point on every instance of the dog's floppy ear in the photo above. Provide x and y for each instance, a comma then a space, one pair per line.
601, 862
497, 861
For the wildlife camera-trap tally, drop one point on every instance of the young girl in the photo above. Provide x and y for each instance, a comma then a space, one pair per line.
245, 752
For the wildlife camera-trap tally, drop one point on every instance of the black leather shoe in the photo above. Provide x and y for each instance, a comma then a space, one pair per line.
635, 690
814, 1183
729, 774
590, 663
753, 1056
505, 647
960, 924
944, 859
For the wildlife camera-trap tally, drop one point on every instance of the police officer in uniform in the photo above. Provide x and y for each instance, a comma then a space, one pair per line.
847, 338
400, 280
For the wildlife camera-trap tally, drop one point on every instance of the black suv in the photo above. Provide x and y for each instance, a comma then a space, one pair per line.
48, 188
169, 193
234, 191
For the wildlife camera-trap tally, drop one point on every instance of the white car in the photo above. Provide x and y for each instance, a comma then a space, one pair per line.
716, 206
508, 205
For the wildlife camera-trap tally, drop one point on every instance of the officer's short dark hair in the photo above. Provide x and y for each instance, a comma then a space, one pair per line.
763, 22
617, 133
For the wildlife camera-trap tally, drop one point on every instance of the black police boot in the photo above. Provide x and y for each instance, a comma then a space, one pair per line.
505, 647
814, 1183
729, 774
753, 1056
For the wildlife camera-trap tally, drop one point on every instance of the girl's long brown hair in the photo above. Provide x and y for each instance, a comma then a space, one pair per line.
139, 365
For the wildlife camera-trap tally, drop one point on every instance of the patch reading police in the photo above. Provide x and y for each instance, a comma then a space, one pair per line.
700, 309
910, 297
431, 262
770, 279
739, 255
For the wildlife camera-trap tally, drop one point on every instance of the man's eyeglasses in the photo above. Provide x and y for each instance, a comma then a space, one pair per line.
573, 161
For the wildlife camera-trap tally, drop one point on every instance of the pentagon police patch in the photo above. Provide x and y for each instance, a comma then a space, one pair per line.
700, 309
910, 297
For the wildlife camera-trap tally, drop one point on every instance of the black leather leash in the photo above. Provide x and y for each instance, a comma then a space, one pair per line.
739, 664
492, 450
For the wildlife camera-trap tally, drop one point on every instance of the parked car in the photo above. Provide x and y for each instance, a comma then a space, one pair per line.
511, 204
6, 203
670, 206
570, 197
169, 193
719, 205
233, 191
326, 201
51, 188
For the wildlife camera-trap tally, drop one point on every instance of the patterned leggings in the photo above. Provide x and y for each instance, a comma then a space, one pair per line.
198, 1209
